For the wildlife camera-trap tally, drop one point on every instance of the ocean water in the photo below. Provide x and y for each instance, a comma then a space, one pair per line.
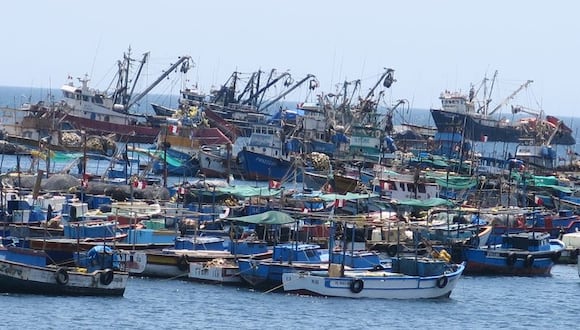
476, 303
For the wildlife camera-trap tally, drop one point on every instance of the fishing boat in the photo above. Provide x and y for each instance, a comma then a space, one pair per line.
193, 250
269, 156
525, 253
410, 278
25, 270
95, 112
572, 242
219, 270
465, 113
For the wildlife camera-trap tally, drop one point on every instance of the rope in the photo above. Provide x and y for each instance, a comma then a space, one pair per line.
274, 288
174, 277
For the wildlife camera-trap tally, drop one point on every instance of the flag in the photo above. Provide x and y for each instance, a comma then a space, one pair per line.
85, 181
484, 138
139, 184
273, 184
181, 191
538, 200
173, 129
339, 203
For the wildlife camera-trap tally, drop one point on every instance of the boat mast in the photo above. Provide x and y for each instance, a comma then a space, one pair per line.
249, 86
143, 61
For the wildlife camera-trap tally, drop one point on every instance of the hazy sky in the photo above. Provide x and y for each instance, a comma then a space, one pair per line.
432, 45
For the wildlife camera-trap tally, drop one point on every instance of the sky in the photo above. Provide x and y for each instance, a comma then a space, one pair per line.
431, 45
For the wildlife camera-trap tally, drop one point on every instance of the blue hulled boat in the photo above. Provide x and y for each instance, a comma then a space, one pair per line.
525, 253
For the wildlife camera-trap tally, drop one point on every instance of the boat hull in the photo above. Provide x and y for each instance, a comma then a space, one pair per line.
215, 272
377, 285
21, 278
505, 262
263, 167
491, 130
128, 133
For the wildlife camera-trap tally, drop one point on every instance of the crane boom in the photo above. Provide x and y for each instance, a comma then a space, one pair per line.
511, 96
279, 97
181, 60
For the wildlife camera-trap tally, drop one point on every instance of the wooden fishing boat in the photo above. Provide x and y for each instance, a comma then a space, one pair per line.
410, 279
27, 271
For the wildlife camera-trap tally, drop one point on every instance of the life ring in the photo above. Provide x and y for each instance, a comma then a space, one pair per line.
529, 261
392, 250
106, 277
442, 282
183, 264
356, 286
511, 259
61, 276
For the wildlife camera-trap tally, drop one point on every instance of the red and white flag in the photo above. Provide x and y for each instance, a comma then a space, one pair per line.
484, 138
139, 184
339, 203
538, 200
85, 181
181, 191
173, 129
273, 184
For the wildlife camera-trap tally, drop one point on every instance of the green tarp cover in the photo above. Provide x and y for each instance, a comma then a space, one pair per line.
266, 218
160, 154
248, 191
544, 180
456, 182
426, 204
65, 156
563, 189
439, 163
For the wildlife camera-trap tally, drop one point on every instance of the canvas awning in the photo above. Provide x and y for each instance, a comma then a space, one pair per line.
266, 218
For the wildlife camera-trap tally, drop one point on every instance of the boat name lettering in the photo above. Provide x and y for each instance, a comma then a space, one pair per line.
265, 161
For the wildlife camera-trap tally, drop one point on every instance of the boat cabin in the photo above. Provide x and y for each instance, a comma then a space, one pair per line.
528, 241
456, 102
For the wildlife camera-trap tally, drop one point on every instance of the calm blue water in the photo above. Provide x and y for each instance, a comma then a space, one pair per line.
477, 302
